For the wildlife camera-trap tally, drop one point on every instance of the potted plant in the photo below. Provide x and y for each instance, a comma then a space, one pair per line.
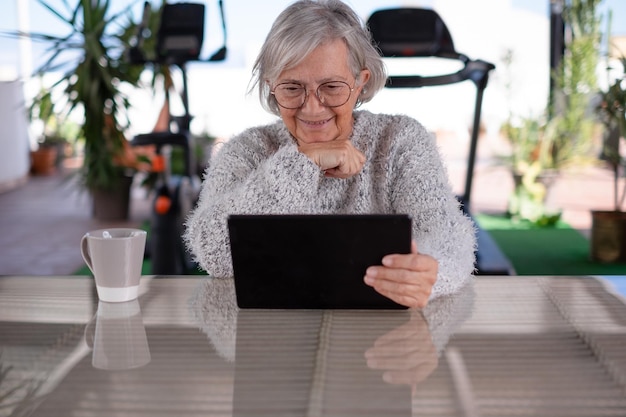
52, 135
93, 72
531, 141
564, 138
608, 228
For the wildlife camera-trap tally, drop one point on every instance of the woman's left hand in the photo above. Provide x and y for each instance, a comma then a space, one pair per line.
406, 279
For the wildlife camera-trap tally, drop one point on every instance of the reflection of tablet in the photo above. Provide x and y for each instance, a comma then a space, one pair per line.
312, 363
313, 261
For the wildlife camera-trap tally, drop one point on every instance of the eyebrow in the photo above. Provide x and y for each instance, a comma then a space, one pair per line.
321, 81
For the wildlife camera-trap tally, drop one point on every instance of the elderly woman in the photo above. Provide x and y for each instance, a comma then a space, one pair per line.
315, 68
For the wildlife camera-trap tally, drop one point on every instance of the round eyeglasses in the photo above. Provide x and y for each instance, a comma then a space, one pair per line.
294, 95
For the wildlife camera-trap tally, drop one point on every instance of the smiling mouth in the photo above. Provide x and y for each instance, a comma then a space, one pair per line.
315, 123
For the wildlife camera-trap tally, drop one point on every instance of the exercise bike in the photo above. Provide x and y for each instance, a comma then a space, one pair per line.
179, 41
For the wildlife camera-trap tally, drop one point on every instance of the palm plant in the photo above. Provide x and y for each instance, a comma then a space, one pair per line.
91, 61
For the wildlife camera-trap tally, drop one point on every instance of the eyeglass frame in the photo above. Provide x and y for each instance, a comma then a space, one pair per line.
306, 93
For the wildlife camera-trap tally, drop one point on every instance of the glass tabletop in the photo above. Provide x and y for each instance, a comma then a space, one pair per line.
523, 346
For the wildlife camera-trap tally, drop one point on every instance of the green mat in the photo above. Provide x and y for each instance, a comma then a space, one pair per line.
533, 250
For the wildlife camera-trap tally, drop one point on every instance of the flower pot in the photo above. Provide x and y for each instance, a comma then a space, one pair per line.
608, 236
112, 204
43, 160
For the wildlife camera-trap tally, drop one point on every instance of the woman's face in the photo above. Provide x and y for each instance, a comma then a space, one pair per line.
314, 122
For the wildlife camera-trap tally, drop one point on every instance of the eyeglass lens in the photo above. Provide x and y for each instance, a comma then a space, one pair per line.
330, 94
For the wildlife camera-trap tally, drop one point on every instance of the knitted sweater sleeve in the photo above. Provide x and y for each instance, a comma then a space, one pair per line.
252, 173
420, 187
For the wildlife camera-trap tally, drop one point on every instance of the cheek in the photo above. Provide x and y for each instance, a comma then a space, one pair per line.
345, 115
289, 119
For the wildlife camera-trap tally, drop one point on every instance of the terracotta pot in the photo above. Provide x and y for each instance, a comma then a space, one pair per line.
43, 160
112, 204
608, 236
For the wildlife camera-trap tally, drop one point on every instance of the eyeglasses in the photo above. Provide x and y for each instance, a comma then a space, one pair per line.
294, 95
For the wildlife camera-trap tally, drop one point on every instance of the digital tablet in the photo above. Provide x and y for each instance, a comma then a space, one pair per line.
313, 261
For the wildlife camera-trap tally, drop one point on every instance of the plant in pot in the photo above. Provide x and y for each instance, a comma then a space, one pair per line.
545, 147
531, 140
54, 135
94, 71
43, 159
608, 229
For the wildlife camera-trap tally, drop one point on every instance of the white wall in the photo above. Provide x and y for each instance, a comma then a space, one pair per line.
14, 142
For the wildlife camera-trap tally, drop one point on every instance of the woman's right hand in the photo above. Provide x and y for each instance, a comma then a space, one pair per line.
337, 158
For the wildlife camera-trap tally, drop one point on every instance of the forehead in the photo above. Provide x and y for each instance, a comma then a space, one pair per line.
328, 61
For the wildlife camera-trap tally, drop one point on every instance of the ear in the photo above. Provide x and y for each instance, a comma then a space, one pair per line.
362, 79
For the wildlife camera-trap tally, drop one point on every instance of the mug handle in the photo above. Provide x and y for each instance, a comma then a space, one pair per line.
90, 331
84, 250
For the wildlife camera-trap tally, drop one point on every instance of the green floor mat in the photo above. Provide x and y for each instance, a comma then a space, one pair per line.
533, 250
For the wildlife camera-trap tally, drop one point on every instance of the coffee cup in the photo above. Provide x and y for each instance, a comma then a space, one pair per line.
118, 337
115, 257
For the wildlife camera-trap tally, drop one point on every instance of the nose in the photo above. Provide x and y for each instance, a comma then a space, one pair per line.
312, 101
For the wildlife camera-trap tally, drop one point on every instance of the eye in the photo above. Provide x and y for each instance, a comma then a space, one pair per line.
334, 87
290, 88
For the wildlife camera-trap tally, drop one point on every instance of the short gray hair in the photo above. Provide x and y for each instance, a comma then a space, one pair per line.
302, 27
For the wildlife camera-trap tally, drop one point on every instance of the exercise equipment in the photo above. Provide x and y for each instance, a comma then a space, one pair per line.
421, 33
179, 41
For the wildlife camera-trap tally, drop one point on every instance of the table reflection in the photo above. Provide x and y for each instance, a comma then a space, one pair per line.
335, 362
117, 337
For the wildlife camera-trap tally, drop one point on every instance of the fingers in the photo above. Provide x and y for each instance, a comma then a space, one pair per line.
412, 296
406, 279
338, 159
406, 354
412, 376
414, 261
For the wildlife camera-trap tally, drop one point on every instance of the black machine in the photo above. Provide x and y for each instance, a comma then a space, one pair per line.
421, 33
411, 32
179, 40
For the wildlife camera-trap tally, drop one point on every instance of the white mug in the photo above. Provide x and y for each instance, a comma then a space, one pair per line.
115, 257
118, 337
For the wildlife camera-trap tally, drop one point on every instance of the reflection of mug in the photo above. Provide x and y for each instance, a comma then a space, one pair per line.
119, 340
115, 257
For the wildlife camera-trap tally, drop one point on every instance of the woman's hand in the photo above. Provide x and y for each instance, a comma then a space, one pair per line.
406, 279
337, 158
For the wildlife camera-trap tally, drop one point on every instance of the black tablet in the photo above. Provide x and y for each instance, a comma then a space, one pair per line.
313, 261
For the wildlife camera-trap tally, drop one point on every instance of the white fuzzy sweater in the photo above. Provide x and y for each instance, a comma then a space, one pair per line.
261, 171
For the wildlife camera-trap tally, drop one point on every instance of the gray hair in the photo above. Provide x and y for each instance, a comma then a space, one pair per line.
302, 27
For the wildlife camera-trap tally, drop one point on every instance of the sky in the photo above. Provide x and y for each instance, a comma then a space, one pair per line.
480, 28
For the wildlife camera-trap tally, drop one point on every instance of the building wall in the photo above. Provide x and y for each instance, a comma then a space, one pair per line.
14, 142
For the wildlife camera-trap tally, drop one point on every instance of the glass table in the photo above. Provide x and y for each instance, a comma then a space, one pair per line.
504, 346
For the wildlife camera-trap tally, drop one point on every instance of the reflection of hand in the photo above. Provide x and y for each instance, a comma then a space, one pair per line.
337, 158
407, 279
405, 354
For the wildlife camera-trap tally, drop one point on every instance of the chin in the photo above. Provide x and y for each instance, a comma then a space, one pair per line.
317, 138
